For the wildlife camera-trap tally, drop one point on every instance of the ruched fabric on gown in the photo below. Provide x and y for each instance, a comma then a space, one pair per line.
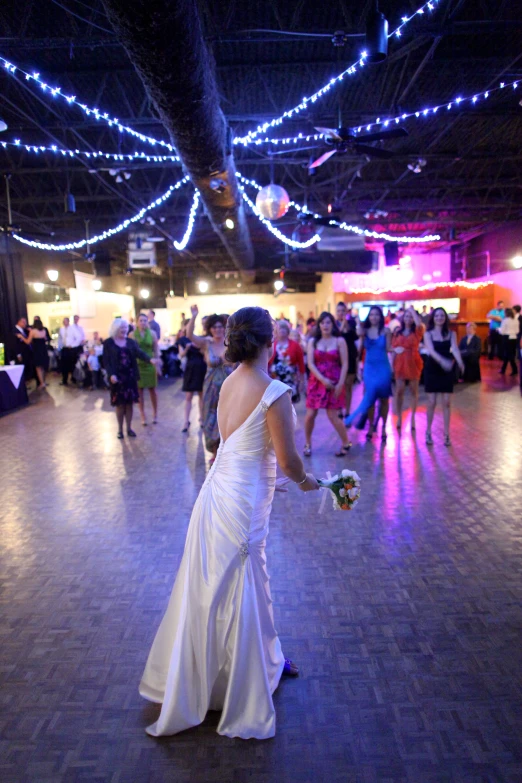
216, 647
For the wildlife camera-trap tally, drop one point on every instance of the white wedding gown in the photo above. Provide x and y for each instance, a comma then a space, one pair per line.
216, 647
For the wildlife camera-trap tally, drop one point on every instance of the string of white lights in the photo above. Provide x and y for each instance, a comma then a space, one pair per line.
109, 232
57, 92
350, 71
275, 231
105, 117
190, 225
475, 98
352, 229
457, 102
65, 152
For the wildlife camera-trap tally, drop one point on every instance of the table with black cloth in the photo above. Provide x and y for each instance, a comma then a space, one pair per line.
13, 393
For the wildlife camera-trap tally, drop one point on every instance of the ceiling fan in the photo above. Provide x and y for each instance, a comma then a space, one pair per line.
343, 140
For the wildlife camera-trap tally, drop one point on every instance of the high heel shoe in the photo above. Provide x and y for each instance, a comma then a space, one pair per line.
429, 439
131, 434
120, 435
307, 451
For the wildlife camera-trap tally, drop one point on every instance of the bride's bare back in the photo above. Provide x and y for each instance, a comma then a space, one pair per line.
239, 397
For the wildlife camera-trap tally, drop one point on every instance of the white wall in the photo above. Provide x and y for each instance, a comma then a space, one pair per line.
286, 304
108, 306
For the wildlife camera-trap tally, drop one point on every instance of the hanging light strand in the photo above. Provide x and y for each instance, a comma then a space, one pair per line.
275, 231
109, 232
190, 225
356, 67
420, 288
352, 229
57, 92
90, 154
477, 98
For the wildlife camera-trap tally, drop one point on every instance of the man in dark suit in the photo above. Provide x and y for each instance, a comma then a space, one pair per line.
24, 353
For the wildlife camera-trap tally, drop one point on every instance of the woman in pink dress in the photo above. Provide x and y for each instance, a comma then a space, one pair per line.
328, 365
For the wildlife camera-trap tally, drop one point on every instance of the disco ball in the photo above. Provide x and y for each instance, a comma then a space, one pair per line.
272, 201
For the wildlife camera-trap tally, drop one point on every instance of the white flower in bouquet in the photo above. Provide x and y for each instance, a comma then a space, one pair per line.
353, 494
342, 492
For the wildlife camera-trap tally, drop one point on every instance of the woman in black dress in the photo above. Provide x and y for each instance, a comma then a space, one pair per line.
120, 355
347, 327
37, 339
193, 376
441, 346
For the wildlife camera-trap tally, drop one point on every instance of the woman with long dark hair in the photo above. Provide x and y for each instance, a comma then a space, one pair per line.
407, 363
439, 376
37, 339
328, 364
212, 347
376, 374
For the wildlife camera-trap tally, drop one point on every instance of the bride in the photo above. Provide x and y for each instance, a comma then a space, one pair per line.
216, 647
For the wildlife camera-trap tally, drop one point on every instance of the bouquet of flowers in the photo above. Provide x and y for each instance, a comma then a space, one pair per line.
345, 489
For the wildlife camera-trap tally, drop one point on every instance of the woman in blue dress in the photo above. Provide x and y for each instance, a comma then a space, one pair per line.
376, 375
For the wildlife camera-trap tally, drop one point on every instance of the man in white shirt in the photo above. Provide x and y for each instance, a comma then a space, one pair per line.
70, 342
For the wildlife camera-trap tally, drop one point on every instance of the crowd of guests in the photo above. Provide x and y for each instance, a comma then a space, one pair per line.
318, 358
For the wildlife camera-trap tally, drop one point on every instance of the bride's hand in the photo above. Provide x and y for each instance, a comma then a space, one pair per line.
310, 483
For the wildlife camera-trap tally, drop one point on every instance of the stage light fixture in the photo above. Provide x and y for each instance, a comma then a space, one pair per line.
517, 262
38, 287
3, 126
96, 284
229, 223
70, 204
376, 36
53, 275
203, 286
279, 285
144, 293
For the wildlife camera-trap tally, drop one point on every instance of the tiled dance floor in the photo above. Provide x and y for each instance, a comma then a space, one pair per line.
405, 616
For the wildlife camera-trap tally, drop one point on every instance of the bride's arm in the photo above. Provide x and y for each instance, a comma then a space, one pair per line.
280, 422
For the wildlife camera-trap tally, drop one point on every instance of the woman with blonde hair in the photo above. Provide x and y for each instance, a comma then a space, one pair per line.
120, 359
148, 377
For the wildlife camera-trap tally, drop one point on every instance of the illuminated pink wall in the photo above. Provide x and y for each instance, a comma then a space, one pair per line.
414, 272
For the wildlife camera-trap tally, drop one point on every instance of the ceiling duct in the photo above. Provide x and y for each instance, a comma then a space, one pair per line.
164, 41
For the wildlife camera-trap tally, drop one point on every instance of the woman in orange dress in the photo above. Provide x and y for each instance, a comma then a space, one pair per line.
407, 364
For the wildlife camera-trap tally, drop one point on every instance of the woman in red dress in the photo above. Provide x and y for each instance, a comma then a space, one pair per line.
328, 365
407, 363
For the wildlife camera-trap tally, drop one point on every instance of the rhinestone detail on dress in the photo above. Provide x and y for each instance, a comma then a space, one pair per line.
243, 551
264, 406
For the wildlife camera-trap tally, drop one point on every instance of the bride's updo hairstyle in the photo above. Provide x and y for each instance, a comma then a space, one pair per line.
248, 331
